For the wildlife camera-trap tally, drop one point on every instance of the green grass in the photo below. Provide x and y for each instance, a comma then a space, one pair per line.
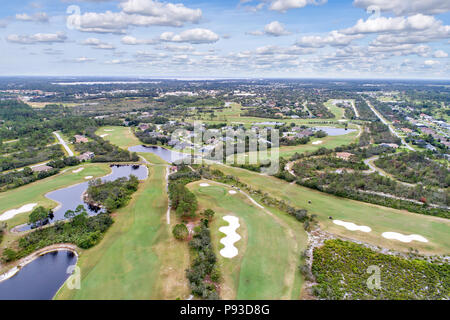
35, 192
266, 267
329, 142
380, 219
338, 112
128, 263
122, 137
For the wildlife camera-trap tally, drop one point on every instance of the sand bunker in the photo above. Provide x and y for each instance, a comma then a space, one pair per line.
403, 238
78, 170
230, 251
11, 213
104, 135
88, 177
317, 142
351, 226
232, 192
204, 184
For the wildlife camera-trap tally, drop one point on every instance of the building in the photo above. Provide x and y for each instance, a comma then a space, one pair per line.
86, 156
81, 139
391, 145
43, 168
144, 126
344, 155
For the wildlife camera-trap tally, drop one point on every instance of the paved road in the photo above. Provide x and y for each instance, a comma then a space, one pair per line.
63, 143
383, 120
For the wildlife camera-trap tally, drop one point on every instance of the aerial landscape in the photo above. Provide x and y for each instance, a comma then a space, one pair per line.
253, 150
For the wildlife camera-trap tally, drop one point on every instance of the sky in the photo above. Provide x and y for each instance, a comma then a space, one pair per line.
408, 39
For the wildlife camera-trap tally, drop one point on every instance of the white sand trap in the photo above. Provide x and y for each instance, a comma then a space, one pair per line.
204, 184
351, 226
230, 251
317, 142
78, 170
109, 130
232, 192
104, 135
403, 238
11, 213
88, 177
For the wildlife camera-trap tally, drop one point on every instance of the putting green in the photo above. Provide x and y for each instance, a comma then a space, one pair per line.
129, 263
380, 219
269, 249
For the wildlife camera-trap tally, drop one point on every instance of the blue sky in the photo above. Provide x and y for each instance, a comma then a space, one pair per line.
234, 38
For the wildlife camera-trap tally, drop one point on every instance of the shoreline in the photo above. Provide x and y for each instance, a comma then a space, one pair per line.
18, 265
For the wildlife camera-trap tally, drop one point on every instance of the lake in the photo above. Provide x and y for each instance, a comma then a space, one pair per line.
40, 279
71, 197
335, 131
165, 154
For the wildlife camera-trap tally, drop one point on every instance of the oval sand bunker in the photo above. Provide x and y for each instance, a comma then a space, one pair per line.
317, 142
11, 213
204, 184
232, 192
78, 170
88, 177
230, 251
351, 226
403, 238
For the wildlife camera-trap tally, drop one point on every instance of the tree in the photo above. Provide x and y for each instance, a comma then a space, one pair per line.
38, 215
209, 213
180, 232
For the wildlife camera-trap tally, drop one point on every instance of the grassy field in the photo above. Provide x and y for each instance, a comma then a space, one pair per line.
138, 258
380, 219
122, 137
269, 251
35, 192
338, 112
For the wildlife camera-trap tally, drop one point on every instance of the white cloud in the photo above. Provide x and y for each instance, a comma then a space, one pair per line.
132, 41
275, 29
284, 5
440, 54
37, 38
165, 11
430, 63
194, 36
37, 17
334, 38
402, 7
98, 44
383, 24
141, 13
79, 60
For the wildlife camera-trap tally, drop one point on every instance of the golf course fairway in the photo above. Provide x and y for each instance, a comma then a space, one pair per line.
129, 262
266, 266
380, 219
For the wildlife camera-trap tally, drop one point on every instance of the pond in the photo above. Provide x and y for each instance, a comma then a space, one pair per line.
71, 197
165, 154
335, 131
40, 279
